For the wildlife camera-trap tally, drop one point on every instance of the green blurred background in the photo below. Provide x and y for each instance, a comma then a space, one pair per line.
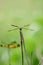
22, 12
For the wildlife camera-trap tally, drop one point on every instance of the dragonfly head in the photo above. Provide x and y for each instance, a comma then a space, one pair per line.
1, 45
20, 28
18, 45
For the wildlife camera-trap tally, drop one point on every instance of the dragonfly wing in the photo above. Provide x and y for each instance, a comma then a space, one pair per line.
12, 29
28, 29
15, 26
26, 25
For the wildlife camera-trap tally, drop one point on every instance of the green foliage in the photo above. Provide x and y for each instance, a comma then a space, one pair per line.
21, 12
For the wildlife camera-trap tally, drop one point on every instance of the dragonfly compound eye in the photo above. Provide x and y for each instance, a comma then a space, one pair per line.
1, 45
18, 45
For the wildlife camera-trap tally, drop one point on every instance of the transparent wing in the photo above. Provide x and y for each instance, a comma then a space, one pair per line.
26, 25
15, 26
12, 29
28, 29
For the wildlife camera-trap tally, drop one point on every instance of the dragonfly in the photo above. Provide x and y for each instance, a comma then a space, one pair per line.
22, 41
11, 45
